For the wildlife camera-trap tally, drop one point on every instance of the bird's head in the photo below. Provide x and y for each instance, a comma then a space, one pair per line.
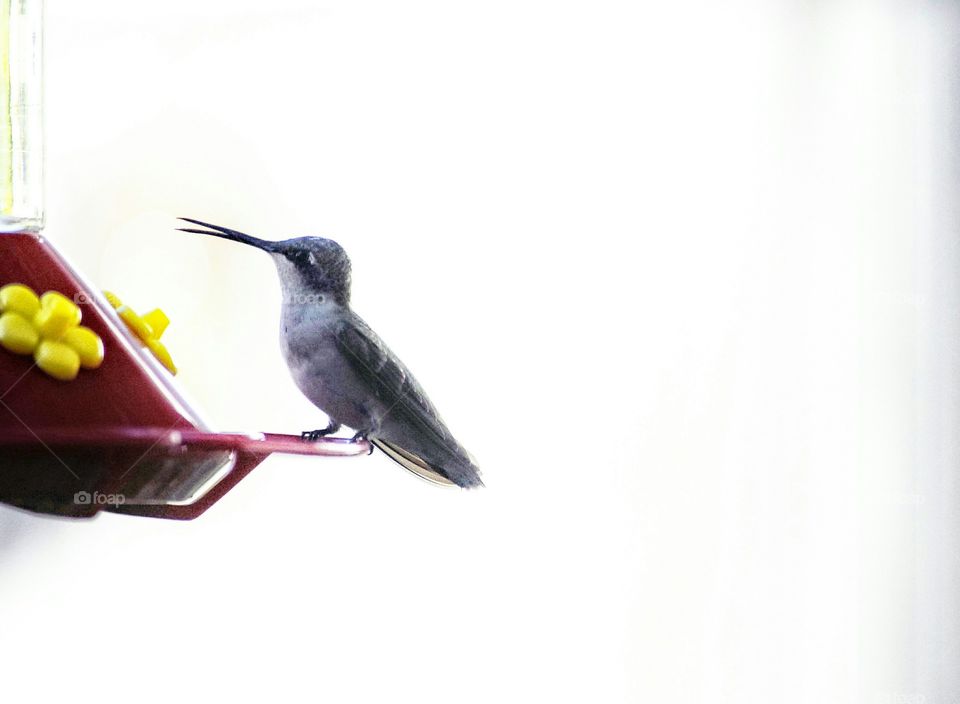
313, 266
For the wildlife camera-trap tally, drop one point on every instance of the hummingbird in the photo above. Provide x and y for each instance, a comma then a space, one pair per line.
343, 367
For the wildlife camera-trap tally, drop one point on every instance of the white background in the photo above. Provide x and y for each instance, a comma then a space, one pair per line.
682, 276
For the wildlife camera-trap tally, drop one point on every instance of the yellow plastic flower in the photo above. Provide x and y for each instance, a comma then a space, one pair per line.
148, 328
48, 327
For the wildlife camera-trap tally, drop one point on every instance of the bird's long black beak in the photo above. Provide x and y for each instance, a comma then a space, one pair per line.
227, 234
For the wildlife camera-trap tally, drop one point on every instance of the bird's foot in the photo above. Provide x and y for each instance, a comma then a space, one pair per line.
362, 437
314, 435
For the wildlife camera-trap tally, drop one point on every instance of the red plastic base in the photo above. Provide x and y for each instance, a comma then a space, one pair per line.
123, 428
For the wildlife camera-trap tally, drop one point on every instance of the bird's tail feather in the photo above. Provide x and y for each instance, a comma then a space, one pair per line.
416, 464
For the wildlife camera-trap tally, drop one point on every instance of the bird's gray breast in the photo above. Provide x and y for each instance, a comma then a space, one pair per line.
318, 367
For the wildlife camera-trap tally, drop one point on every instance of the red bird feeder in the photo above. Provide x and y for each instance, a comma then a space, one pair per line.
121, 437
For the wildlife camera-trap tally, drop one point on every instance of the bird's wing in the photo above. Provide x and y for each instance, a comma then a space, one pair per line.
408, 404
385, 375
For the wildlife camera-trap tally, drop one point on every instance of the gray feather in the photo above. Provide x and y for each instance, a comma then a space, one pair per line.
410, 421
412, 463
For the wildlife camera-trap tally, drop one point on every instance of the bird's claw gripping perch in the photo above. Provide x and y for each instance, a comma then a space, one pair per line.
314, 435
361, 436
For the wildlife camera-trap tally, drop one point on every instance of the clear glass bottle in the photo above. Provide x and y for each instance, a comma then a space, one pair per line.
21, 116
